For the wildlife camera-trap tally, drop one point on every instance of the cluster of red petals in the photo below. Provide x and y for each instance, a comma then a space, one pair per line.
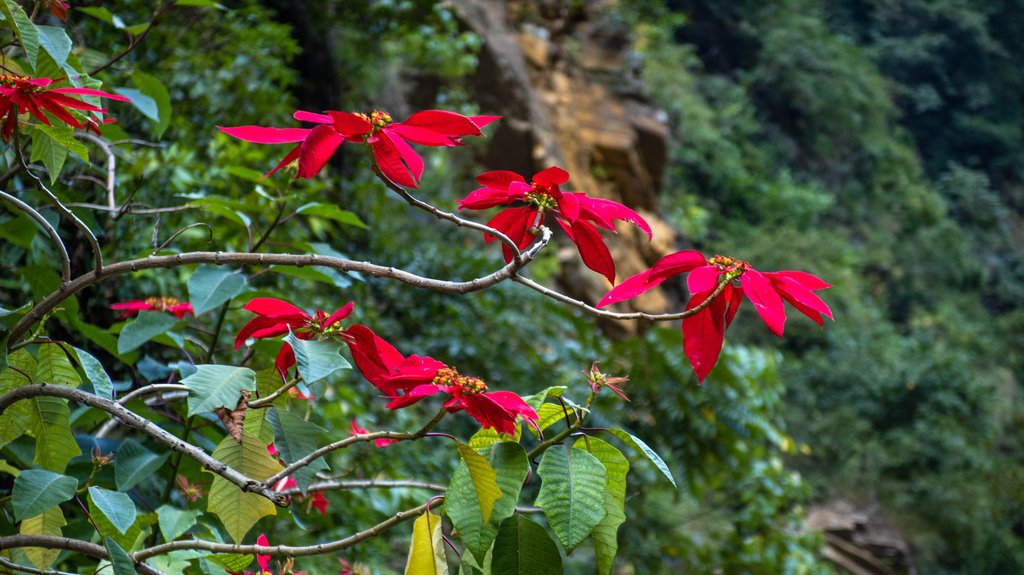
164, 304
59, 9
276, 317
262, 560
704, 332
316, 499
382, 442
21, 94
578, 214
389, 140
405, 380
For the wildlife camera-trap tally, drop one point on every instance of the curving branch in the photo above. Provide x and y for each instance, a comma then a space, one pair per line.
135, 421
346, 484
111, 164
58, 244
29, 569
558, 296
281, 550
68, 544
248, 258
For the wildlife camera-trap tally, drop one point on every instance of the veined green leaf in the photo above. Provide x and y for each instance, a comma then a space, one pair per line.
296, 438
143, 328
209, 287
50, 422
637, 444
213, 386
28, 36
121, 563
524, 548
101, 384
15, 420
605, 533
426, 552
134, 463
56, 43
238, 510
115, 506
175, 522
54, 367
316, 359
484, 480
572, 493
37, 490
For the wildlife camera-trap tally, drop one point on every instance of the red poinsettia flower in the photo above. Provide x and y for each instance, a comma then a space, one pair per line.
407, 380
58, 8
704, 332
20, 94
578, 214
167, 304
277, 317
382, 442
315, 499
389, 140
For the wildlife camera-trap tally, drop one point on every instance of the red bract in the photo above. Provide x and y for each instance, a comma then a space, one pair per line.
315, 498
166, 304
59, 9
382, 442
21, 94
389, 140
277, 317
704, 332
407, 380
578, 214
262, 560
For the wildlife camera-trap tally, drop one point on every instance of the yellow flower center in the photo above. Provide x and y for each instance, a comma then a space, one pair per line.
539, 196
730, 267
162, 303
449, 376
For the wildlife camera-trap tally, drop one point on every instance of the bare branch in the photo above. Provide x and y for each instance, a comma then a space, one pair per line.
89, 236
247, 258
341, 485
75, 545
135, 421
58, 244
133, 211
111, 164
28, 569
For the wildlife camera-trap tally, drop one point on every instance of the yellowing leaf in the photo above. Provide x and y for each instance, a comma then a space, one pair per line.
426, 554
238, 510
48, 522
485, 480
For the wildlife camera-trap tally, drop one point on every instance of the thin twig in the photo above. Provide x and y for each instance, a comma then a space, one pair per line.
135, 421
111, 164
168, 241
28, 569
134, 41
58, 244
133, 211
340, 485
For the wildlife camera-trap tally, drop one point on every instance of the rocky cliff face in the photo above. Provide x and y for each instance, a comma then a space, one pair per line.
567, 85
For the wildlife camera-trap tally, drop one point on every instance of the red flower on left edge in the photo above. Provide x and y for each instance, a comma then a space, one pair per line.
21, 94
704, 331
277, 317
577, 213
388, 140
167, 304
407, 380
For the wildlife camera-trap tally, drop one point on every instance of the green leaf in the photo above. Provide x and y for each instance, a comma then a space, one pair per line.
145, 327
487, 436
15, 420
200, 4
295, 438
134, 464
222, 208
213, 386
332, 212
462, 505
94, 372
142, 102
233, 562
209, 287
238, 510
116, 506
524, 548
571, 493
36, 490
153, 88
316, 359
426, 552
485, 480
56, 43
47, 523
54, 367
637, 444
176, 522
49, 151
28, 36
537, 399
549, 414
133, 538
121, 563
175, 562
50, 423
103, 14
605, 533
